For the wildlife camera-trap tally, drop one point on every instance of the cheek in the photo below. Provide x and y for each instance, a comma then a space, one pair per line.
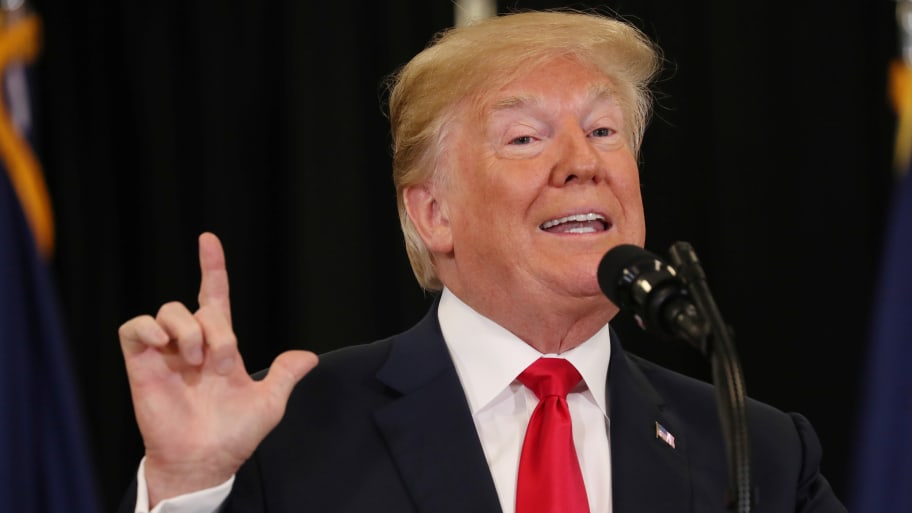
493, 186
637, 218
630, 195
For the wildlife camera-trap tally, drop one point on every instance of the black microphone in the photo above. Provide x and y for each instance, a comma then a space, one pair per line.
682, 307
641, 283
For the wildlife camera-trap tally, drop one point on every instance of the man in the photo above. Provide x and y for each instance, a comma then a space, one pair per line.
515, 145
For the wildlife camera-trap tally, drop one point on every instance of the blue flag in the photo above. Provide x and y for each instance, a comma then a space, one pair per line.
44, 460
883, 480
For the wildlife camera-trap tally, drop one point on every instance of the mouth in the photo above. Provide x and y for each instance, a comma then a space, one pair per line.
590, 222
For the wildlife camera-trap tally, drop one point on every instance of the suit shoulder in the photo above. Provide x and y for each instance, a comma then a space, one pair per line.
694, 401
346, 368
786, 451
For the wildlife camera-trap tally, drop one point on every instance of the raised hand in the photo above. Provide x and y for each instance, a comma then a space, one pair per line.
200, 414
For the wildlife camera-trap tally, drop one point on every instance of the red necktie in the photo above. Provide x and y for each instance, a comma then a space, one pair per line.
550, 480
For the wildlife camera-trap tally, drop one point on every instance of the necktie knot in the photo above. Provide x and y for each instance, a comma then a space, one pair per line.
550, 377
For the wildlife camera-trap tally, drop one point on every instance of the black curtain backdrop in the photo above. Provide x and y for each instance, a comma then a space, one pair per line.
261, 121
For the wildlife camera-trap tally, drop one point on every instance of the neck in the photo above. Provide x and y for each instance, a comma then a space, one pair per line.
552, 325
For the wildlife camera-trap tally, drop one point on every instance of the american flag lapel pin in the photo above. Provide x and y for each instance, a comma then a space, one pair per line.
663, 434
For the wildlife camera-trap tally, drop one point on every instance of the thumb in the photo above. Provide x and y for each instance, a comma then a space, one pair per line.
286, 370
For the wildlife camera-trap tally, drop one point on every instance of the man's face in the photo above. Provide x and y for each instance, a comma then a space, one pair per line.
540, 182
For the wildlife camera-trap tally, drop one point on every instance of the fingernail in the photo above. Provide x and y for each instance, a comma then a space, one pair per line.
224, 366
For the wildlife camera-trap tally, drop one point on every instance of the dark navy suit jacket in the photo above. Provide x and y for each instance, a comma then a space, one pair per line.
385, 427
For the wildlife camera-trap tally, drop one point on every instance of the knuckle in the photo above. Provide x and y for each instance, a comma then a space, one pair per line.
170, 308
190, 333
126, 329
143, 330
131, 328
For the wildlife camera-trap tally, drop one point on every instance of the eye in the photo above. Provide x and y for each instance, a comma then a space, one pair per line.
602, 132
522, 140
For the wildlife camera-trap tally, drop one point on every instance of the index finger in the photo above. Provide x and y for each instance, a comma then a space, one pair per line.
214, 280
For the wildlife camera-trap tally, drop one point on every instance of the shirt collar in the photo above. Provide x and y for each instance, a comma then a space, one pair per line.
488, 358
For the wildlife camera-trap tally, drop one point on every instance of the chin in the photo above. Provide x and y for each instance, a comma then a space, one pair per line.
585, 287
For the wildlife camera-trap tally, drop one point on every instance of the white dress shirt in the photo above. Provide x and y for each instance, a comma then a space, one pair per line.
488, 358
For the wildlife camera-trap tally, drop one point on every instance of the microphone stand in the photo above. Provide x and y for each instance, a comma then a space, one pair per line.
717, 343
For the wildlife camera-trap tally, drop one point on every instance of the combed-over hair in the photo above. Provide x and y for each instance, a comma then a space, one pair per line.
467, 61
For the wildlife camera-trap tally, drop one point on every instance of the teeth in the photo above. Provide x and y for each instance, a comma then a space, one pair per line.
578, 218
582, 230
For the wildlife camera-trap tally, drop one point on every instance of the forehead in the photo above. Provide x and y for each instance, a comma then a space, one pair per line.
553, 83
601, 92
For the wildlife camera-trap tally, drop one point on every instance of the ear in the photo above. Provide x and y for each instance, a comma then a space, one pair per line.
429, 215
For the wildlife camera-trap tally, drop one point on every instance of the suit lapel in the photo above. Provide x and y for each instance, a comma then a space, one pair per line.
435, 445
648, 474
429, 428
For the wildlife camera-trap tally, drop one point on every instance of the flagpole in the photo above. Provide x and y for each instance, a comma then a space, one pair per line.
901, 88
467, 11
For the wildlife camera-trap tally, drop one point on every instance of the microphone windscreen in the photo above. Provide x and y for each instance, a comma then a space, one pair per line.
612, 267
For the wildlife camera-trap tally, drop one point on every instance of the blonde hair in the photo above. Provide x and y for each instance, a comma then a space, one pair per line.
464, 62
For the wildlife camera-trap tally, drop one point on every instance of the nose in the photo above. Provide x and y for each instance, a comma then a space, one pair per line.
577, 160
